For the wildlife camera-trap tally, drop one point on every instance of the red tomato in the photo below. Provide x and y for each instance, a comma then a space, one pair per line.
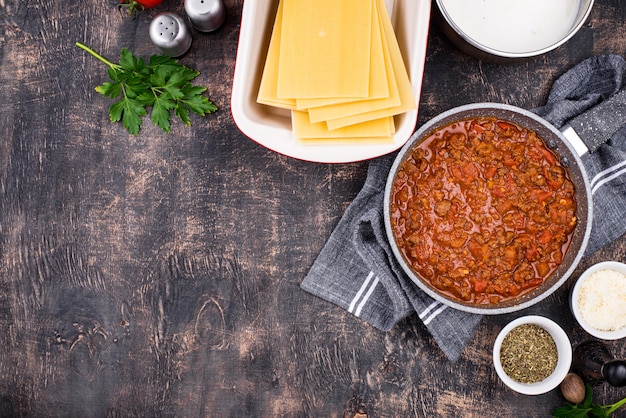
148, 4
134, 7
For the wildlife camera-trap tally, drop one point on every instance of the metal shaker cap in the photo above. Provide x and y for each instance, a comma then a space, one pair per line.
205, 15
170, 34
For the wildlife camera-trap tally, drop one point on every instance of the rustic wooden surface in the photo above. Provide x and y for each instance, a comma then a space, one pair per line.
158, 275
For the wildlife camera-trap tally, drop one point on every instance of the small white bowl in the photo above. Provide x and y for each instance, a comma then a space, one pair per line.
564, 353
604, 335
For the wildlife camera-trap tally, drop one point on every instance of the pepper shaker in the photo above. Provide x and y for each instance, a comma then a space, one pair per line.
205, 15
593, 361
170, 34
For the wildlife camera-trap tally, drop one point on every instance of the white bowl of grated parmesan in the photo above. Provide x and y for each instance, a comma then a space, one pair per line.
598, 300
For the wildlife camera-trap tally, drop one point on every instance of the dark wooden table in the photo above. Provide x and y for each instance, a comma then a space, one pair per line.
158, 275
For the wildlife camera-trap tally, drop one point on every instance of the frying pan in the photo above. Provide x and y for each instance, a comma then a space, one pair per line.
568, 156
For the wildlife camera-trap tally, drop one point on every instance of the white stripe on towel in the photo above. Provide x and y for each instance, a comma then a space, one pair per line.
428, 309
366, 297
598, 181
608, 170
434, 314
360, 292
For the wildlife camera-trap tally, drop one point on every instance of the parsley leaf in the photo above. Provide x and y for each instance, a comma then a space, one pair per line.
587, 409
162, 86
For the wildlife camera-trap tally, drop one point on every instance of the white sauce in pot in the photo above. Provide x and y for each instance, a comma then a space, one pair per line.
515, 26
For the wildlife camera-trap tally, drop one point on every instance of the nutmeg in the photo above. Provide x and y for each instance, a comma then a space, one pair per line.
573, 388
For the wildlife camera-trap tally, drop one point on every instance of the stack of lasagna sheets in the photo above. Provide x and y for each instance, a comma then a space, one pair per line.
337, 66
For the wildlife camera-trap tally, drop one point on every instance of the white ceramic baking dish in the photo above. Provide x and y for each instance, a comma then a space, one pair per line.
271, 127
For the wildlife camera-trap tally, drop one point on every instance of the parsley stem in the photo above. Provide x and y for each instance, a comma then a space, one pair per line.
614, 407
100, 57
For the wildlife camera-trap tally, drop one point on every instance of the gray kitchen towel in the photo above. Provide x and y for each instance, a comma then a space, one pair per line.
587, 85
357, 271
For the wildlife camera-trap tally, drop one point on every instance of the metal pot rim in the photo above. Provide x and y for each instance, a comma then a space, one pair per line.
461, 36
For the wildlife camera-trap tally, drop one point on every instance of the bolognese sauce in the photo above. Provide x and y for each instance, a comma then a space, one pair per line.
483, 210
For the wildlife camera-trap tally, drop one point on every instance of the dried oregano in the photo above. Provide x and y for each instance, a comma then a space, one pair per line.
528, 354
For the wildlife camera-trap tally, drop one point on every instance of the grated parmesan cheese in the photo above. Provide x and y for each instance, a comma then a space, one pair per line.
602, 300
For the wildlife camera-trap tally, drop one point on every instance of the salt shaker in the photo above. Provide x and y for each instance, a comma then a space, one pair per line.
205, 15
169, 33
593, 361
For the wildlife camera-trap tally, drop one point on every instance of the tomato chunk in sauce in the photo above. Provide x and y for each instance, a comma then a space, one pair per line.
483, 211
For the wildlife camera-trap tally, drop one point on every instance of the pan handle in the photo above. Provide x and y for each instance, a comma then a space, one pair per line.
597, 125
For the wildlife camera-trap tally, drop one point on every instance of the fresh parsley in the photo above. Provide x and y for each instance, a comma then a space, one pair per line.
587, 409
163, 85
